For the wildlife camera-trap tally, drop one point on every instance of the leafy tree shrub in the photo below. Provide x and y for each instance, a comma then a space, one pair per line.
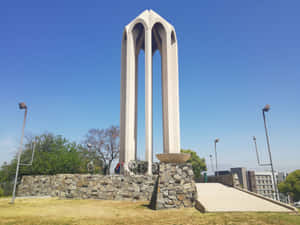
291, 185
53, 155
198, 163
1, 192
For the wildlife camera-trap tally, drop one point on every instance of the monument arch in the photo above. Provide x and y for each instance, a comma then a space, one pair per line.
148, 32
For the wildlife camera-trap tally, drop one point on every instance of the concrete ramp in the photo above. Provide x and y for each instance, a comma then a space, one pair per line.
216, 197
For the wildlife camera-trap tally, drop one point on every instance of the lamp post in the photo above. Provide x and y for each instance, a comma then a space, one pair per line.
257, 155
254, 140
264, 110
216, 141
22, 105
211, 163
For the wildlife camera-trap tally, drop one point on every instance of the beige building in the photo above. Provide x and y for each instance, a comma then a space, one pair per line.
265, 185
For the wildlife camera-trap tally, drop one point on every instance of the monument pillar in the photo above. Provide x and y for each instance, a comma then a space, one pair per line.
148, 32
128, 101
148, 100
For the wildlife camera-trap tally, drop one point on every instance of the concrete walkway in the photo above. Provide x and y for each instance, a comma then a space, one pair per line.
215, 197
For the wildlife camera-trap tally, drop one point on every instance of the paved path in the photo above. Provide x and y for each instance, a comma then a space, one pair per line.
217, 197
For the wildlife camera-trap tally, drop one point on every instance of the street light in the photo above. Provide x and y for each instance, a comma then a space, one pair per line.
89, 145
22, 105
216, 141
211, 162
257, 155
266, 109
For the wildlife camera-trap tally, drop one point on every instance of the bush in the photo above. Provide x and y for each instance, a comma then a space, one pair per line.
7, 188
291, 185
1, 192
198, 163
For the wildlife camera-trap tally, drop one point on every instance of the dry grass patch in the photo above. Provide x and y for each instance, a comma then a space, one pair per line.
84, 212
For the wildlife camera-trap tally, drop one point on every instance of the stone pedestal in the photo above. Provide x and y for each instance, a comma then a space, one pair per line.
175, 187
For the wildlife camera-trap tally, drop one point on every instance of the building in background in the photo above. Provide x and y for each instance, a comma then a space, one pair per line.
258, 182
265, 185
242, 175
251, 181
222, 172
281, 176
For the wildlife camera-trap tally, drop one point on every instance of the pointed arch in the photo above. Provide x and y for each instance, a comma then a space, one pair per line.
173, 37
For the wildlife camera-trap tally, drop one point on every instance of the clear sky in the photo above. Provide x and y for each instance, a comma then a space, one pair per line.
63, 59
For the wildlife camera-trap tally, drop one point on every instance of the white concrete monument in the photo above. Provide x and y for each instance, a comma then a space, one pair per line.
149, 32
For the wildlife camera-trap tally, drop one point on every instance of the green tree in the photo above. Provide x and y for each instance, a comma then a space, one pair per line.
53, 155
1, 192
104, 144
198, 163
7, 173
291, 185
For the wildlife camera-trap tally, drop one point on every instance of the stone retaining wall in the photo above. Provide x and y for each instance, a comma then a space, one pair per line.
174, 187
84, 186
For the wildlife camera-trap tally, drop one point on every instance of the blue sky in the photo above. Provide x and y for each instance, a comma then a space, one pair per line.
63, 59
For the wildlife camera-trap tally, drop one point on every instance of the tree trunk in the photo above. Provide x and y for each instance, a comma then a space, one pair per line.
108, 167
104, 169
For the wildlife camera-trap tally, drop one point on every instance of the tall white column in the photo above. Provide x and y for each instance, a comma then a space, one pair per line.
123, 97
148, 96
173, 96
128, 118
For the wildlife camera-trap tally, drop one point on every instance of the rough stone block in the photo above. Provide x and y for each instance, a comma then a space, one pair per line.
180, 187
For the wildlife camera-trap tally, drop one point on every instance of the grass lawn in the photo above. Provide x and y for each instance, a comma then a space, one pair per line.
63, 212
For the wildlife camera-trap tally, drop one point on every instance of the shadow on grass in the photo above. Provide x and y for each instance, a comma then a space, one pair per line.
148, 206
